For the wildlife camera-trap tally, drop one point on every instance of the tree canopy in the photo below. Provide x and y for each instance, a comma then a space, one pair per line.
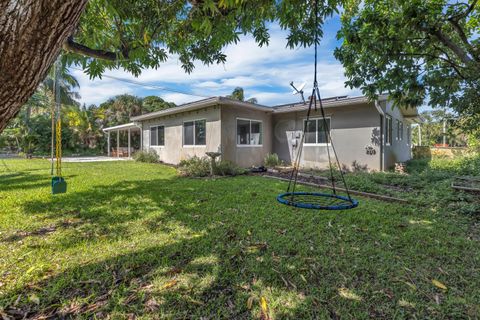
239, 94
415, 50
139, 34
132, 35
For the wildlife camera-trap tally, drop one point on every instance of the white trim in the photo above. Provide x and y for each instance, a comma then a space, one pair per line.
248, 145
399, 130
387, 132
317, 144
150, 136
131, 125
183, 133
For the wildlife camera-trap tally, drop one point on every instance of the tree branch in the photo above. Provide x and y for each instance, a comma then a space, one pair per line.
459, 52
455, 67
72, 46
464, 38
465, 13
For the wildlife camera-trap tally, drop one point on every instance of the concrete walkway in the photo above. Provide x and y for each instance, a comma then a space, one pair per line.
94, 159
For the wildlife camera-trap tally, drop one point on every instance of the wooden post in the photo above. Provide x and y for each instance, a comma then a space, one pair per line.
108, 143
444, 133
118, 143
141, 136
129, 153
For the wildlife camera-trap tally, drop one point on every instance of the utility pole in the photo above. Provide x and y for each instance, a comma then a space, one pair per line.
444, 132
419, 134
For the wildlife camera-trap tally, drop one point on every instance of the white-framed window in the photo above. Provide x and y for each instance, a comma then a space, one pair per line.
388, 130
399, 130
249, 132
317, 131
157, 136
194, 133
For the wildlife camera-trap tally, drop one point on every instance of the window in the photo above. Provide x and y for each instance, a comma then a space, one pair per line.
399, 130
194, 133
249, 132
157, 136
388, 130
316, 131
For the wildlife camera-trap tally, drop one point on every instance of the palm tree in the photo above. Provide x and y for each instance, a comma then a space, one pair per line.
238, 94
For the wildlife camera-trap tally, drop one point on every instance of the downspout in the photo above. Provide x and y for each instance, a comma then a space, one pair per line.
382, 140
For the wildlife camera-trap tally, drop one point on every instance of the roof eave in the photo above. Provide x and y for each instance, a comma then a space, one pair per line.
210, 102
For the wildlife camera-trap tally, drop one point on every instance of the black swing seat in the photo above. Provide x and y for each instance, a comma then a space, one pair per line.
59, 185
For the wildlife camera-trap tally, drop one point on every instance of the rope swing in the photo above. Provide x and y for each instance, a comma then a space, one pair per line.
317, 200
59, 185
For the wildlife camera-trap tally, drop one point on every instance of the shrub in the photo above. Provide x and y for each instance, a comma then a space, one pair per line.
272, 160
228, 168
200, 167
146, 156
195, 167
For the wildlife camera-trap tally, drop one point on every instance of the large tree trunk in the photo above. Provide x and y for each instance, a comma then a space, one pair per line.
32, 33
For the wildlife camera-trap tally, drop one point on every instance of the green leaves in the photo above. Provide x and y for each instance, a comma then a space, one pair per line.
412, 50
138, 34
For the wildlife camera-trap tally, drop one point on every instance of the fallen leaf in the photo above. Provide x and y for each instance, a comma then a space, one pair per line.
170, 284
34, 298
411, 285
405, 303
152, 305
438, 284
349, 294
250, 302
264, 306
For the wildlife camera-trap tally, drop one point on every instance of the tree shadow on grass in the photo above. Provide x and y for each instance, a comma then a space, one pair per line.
225, 243
25, 181
223, 256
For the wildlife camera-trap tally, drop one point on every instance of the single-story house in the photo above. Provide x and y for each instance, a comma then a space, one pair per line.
370, 134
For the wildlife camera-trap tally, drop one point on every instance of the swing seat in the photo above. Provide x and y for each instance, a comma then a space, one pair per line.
316, 200
59, 185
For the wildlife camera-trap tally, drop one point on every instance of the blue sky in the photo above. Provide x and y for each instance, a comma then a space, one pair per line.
264, 73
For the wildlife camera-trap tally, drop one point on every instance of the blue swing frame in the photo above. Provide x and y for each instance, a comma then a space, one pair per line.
283, 198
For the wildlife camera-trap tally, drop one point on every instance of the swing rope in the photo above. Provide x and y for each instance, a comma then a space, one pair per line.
59, 184
312, 200
58, 126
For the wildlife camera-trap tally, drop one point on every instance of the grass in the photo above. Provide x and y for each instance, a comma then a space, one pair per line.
136, 239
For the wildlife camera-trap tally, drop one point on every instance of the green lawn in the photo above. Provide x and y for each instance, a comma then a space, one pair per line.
136, 239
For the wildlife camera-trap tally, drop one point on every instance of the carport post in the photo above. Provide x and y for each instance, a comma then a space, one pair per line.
129, 142
118, 143
108, 143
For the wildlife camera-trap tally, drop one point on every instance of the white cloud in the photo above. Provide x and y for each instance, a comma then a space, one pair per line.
264, 73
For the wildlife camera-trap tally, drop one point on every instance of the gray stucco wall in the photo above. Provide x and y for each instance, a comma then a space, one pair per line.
400, 149
174, 151
354, 129
245, 155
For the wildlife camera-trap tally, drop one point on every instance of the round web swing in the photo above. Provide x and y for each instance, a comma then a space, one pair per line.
317, 200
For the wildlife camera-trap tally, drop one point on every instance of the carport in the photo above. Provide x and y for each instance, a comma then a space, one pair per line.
130, 129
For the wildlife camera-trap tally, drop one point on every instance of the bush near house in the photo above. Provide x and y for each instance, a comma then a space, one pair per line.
195, 167
228, 168
146, 156
200, 167
272, 160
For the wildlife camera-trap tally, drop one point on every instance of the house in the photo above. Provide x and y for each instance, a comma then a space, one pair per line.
373, 135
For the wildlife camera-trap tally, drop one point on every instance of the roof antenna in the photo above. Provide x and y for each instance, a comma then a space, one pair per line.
298, 90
